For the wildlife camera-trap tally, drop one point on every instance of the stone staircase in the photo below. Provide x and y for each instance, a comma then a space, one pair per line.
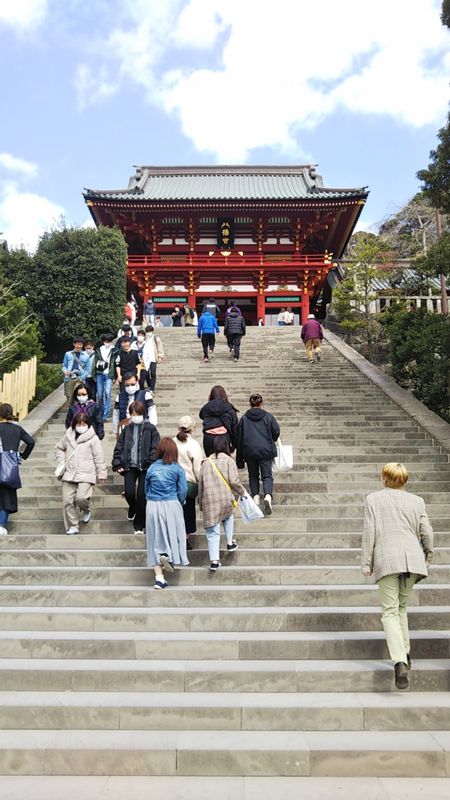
274, 666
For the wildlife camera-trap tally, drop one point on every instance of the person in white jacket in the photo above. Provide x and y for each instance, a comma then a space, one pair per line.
152, 354
81, 452
190, 456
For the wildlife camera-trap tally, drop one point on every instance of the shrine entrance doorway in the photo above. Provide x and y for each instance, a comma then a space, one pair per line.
245, 301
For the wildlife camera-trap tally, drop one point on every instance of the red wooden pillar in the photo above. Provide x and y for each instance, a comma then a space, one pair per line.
260, 307
192, 299
305, 308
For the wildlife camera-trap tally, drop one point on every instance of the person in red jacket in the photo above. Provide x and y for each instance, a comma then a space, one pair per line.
312, 335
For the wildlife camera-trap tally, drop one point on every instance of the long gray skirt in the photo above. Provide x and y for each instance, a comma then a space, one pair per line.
166, 532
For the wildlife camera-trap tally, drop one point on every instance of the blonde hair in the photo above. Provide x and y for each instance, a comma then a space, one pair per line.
394, 475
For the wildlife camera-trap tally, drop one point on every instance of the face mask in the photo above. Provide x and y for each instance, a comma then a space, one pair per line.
82, 398
137, 419
141, 338
82, 428
108, 345
132, 389
89, 350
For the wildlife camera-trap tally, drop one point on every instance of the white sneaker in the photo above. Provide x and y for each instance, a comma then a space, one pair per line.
3, 531
257, 499
86, 517
268, 504
72, 530
138, 533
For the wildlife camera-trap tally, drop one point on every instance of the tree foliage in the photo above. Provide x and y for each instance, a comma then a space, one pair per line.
19, 332
436, 178
420, 356
437, 259
445, 13
75, 283
412, 230
354, 298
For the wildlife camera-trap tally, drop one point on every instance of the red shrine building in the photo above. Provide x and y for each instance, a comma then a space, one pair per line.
263, 237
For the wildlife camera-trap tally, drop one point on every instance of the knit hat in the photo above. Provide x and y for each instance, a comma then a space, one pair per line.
186, 423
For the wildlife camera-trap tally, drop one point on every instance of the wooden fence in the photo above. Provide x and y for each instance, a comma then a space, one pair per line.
19, 387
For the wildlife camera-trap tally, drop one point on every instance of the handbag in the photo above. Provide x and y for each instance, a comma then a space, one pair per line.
60, 469
224, 480
284, 460
248, 509
9, 468
192, 489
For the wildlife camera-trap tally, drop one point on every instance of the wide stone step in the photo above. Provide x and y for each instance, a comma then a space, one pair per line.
78, 675
426, 594
114, 521
268, 540
106, 507
227, 619
288, 557
266, 711
196, 576
97, 752
195, 646
284, 495
174, 787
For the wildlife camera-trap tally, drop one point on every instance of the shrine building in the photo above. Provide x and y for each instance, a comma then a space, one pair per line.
263, 237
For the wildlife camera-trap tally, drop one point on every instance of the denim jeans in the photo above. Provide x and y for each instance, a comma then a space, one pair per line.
3, 518
104, 388
213, 536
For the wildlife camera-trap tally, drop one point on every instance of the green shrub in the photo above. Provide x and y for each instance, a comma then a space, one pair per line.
49, 377
420, 356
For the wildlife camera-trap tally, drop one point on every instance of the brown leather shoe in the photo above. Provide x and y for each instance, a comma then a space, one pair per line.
401, 676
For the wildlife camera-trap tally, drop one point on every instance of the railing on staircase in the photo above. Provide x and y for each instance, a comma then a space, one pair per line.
19, 387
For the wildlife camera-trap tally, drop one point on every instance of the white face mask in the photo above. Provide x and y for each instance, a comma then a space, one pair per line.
82, 398
132, 389
137, 419
89, 351
108, 345
81, 428
141, 338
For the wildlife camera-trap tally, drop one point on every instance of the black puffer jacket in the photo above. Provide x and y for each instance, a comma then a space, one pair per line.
92, 410
257, 433
148, 443
217, 413
234, 324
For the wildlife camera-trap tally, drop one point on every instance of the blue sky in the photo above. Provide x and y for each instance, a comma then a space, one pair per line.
90, 88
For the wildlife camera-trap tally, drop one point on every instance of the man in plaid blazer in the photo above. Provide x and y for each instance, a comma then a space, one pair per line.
397, 547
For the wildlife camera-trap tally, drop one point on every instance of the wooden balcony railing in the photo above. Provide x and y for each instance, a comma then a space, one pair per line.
235, 259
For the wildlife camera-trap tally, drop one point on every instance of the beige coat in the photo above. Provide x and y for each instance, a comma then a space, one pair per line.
85, 462
214, 497
190, 458
397, 534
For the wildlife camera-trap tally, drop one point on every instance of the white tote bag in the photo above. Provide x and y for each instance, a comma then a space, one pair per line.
284, 460
248, 509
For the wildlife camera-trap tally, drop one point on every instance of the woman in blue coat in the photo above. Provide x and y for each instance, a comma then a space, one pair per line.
165, 490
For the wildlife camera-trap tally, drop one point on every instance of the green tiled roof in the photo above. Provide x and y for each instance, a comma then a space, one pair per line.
225, 183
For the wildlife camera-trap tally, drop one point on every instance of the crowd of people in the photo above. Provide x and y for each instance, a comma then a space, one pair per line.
164, 478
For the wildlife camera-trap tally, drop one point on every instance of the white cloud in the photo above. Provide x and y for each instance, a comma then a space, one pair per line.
92, 86
264, 72
18, 165
367, 227
25, 216
22, 14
